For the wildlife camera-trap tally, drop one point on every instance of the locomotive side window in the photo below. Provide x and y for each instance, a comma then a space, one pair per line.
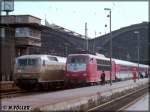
32, 61
103, 65
52, 58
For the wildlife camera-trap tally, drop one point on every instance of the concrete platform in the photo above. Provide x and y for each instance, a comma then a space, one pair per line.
73, 99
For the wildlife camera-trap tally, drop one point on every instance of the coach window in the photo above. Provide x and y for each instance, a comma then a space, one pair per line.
2, 32
101, 62
105, 62
43, 62
98, 61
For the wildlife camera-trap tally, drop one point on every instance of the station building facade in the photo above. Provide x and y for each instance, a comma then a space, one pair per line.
20, 35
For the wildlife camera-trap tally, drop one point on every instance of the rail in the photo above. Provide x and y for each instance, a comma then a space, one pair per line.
120, 103
7, 86
10, 94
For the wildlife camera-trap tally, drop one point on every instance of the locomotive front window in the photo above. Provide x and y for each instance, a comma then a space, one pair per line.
22, 62
78, 59
77, 63
32, 61
52, 58
25, 62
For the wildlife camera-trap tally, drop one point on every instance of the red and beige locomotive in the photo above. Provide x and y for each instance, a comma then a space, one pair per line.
44, 71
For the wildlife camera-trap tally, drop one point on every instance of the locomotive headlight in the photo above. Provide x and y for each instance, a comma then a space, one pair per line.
19, 70
84, 74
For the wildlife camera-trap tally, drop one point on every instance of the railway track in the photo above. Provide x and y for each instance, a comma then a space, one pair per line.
18, 92
11, 94
121, 103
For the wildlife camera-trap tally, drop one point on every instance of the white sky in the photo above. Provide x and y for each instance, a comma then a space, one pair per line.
73, 15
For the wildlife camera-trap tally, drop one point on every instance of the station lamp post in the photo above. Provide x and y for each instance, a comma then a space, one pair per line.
86, 38
110, 51
94, 43
138, 48
66, 49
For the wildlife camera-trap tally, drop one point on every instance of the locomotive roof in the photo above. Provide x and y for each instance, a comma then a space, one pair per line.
36, 55
43, 56
100, 57
91, 56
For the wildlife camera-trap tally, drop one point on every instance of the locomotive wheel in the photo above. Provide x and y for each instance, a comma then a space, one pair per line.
91, 83
25, 85
40, 87
98, 83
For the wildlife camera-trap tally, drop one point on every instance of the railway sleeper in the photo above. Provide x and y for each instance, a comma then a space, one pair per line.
50, 85
90, 102
104, 99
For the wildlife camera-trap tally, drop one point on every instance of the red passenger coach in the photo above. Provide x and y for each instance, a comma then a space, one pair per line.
87, 69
